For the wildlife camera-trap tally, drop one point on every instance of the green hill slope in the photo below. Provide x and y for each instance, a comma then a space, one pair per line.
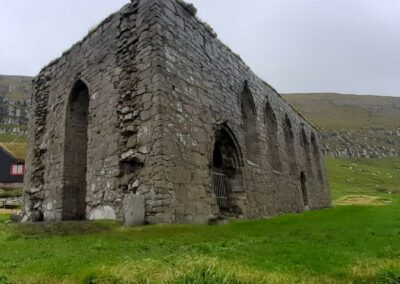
353, 125
15, 87
15, 92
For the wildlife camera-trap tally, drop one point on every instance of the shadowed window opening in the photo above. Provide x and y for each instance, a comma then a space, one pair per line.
306, 148
75, 153
272, 138
289, 145
317, 157
249, 116
130, 167
225, 168
217, 156
304, 189
129, 171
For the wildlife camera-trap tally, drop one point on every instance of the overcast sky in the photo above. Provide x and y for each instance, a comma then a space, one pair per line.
348, 46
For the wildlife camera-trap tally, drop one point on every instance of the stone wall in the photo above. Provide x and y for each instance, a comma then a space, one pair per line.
203, 85
166, 98
93, 61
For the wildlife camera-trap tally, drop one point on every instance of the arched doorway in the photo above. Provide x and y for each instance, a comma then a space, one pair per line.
75, 153
304, 189
226, 163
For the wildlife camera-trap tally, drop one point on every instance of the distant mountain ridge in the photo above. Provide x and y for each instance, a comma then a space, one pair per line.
15, 93
353, 125
15, 87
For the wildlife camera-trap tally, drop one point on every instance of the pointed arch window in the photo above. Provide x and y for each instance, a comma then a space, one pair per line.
75, 152
316, 157
249, 116
289, 145
306, 149
226, 164
272, 138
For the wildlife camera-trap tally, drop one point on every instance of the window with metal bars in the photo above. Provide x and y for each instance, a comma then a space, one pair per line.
220, 190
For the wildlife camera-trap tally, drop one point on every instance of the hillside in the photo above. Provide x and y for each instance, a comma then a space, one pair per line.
353, 125
15, 87
15, 92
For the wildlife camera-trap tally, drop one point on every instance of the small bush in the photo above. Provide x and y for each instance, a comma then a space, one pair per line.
189, 7
388, 277
4, 280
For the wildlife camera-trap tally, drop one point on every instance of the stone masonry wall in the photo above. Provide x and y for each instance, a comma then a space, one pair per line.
161, 86
110, 61
93, 62
202, 85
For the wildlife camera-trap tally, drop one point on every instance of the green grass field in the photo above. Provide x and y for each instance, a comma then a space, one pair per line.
8, 138
364, 176
344, 244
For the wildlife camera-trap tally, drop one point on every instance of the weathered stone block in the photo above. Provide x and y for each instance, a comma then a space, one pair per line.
134, 211
102, 213
180, 175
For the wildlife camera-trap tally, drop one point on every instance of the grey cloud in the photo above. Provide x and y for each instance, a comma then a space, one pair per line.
349, 46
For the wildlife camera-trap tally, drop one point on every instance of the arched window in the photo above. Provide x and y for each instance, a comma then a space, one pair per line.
304, 189
317, 157
272, 138
227, 159
75, 152
289, 145
306, 148
249, 116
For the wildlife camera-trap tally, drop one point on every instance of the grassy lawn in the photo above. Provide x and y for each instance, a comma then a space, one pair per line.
9, 138
364, 176
345, 244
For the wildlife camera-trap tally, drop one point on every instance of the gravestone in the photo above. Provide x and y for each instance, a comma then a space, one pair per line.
133, 206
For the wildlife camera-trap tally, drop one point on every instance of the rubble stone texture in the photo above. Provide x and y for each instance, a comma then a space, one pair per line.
152, 104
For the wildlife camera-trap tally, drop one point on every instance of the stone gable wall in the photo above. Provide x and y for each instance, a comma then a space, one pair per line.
98, 61
160, 86
93, 62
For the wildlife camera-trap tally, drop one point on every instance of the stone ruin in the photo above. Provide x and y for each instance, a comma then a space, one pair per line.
151, 119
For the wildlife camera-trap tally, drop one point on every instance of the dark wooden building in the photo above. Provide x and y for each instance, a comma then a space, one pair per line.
12, 163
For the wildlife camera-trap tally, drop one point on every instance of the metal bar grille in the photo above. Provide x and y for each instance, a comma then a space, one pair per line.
74, 204
220, 189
